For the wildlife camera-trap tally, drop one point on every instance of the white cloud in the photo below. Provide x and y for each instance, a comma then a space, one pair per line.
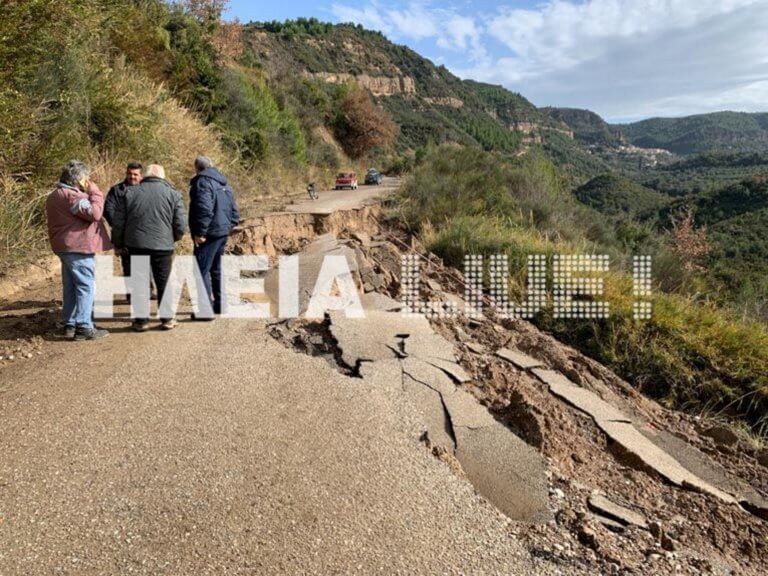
621, 58
463, 34
419, 21
369, 16
414, 22
634, 58
562, 34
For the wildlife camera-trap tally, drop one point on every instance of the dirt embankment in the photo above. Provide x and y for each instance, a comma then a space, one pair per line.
288, 233
14, 282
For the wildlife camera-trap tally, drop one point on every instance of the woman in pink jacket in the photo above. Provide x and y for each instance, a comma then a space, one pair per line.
77, 233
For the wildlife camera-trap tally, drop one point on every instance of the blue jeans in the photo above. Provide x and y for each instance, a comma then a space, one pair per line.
78, 278
208, 257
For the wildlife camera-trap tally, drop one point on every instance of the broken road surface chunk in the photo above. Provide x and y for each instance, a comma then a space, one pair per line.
620, 429
604, 507
586, 401
522, 361
505, 470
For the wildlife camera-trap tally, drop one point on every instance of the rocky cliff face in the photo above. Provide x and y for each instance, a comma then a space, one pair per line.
378, 85
445, 101
533, 132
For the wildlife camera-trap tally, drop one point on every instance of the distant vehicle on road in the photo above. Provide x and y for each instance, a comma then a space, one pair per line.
373, 177
346, 180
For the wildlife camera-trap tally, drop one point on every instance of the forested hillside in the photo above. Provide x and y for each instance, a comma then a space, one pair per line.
705, 172
618, 195
716, 132
588, 127
429, 103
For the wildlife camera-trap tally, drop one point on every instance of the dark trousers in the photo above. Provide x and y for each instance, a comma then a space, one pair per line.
125, 261
208, 257
161, 263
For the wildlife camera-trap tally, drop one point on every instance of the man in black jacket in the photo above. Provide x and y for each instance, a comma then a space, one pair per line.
212, 215
148, 221
132, 178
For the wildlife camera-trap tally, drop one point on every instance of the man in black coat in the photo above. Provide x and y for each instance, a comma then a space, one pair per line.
213, 214
148, 221
133, 177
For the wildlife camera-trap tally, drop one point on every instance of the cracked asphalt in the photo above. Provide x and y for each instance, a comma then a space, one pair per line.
213, 449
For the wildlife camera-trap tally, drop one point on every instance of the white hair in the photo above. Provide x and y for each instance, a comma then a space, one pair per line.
155, 170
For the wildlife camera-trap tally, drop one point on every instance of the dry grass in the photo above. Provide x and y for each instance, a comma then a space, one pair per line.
159, 130
21, 228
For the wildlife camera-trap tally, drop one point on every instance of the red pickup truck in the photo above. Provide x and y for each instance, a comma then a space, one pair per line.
346, 180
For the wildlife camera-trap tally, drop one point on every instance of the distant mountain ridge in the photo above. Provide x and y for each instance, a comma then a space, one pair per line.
717, 132
588, 127
430, 104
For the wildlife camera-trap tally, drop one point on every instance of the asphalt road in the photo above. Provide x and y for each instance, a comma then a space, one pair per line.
330, 201
213, 449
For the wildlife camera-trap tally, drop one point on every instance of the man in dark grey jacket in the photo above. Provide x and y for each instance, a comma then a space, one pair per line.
148, 221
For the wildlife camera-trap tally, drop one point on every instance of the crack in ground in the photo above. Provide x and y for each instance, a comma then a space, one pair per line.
450, 428
314, 339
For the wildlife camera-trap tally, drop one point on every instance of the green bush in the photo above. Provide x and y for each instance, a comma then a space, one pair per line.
253, 117
193, 75
324, 154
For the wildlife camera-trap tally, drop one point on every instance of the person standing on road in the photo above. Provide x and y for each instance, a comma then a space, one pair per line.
133, 177
148, 220
213, 214
76, 232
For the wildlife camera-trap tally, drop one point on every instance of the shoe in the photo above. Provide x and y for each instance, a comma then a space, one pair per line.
82, 334
69, 332
196, 318
168, 324
140, 326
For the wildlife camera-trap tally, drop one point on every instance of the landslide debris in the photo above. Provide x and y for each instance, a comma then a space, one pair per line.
690, 499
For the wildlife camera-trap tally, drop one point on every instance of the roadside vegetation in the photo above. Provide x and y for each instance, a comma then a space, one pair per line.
110, 81
692, 355
731, 215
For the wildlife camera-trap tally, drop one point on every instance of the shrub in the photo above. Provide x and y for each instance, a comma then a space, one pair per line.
324, 154
360, 125
192, 74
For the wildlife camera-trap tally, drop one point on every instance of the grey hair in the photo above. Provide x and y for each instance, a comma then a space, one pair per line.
74, 172
203, 163
155, 170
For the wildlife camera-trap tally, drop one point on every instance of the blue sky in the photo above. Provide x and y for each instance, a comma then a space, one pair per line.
625, 59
